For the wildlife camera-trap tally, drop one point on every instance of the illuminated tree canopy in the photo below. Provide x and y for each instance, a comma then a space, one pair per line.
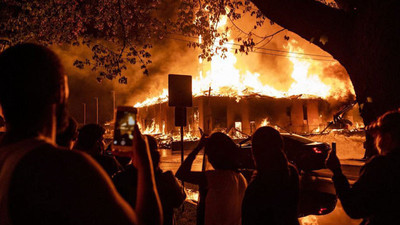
119, 32
361, 35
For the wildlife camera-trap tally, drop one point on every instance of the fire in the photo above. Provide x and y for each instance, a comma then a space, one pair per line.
154, 100
152, 129
317, 130
264, 122
305, 83
221, 77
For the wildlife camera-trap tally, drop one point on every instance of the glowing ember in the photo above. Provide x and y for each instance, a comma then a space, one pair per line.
316, 131
192, 195
265, 122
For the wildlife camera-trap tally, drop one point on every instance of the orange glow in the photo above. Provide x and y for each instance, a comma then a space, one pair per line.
223, 78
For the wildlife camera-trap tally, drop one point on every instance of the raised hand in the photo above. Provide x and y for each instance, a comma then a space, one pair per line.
333, 162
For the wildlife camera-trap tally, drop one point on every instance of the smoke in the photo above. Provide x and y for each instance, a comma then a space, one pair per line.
168, 56
172, 56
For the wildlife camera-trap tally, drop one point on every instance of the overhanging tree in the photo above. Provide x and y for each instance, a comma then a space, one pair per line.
361, 35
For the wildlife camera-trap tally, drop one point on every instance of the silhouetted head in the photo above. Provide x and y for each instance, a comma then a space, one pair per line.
32, 88
221, 151
68, 136
90, 139
267, 147
387, 131
154, 153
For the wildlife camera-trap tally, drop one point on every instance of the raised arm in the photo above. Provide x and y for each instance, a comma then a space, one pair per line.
359, 200
148, 206
184, 172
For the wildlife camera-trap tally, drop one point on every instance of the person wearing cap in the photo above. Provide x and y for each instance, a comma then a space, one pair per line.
375, 196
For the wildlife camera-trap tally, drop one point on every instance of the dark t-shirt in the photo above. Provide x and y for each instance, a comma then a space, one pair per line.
108, 163
170, 191
55, 186
272, 199
376, 194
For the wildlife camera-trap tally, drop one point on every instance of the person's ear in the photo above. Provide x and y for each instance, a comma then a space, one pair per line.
63, 92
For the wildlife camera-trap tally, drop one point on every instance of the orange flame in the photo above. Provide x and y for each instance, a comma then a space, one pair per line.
224, 79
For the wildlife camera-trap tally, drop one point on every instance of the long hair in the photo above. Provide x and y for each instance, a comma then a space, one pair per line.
267, 148
222, 152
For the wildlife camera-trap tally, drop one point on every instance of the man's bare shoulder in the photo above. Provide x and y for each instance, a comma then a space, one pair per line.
56, 156
70, 183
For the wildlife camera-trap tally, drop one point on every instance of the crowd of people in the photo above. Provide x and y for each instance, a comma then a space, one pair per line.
51, 172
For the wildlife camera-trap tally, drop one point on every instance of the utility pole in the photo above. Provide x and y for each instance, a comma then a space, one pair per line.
113, 111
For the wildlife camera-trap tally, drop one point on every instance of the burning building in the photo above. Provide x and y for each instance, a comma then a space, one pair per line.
243, 117
238, 102
212, 113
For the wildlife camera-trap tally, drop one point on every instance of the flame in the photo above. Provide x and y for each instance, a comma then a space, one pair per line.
264, 122
154, 129
192, 195
305, 83
220, 77
154, 100
317, 130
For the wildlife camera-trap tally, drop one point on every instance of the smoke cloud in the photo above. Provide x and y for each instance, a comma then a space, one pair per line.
171, 56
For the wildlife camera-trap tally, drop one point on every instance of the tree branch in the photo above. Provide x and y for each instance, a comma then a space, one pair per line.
313, 21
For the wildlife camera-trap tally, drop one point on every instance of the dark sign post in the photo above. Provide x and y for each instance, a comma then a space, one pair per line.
180, 96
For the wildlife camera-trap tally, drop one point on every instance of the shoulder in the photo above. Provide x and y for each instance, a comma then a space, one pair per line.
375, 162
51, 154
50, 162
376, 169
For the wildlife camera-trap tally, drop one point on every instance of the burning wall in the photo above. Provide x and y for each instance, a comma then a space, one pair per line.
229, 96
212, 113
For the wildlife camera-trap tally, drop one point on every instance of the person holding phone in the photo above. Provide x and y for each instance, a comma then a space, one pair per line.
41, 183
170, 191
375, 196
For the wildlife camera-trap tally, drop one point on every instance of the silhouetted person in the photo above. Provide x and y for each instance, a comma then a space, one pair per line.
40, 183
91, 141
67, 137
225, 186
272, 196
375, 196
170, 191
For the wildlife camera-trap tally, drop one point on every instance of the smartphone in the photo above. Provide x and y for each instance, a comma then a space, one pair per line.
124, 125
